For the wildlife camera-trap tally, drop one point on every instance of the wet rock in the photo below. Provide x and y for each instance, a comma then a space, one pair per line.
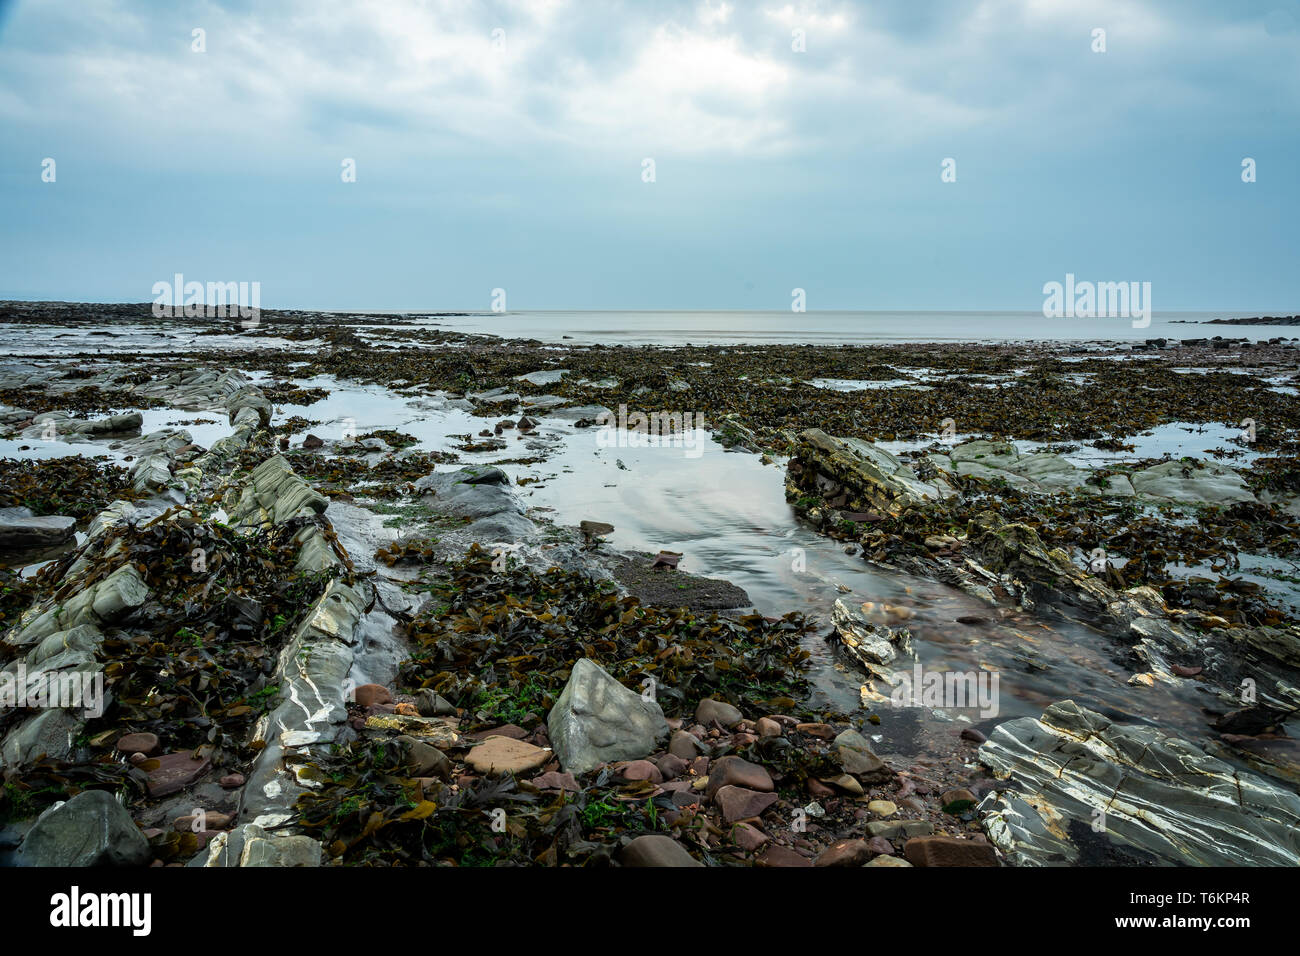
423, 759
736, 771
232, 781
598, 720
710, 711
501, 755
176, 772
430, 704
897, 830
554, 780
868, 643
748, 837
781, 856
144, 743
970, 733
844, 853
21, 530
1024, 837
472, 492
949, 851
855, 754
1193, 482
739, 804
91, 829
656, 850
1159, 794
821, 731
882, 808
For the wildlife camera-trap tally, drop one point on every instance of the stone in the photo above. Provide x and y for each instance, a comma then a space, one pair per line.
960, 795
899, 829
844, 853
143, 743
597, 720
885, 860
369, 694
671, 766
21, 530
423, 759
882, 808
430, 704
846, 782
820, 731
232, 781
1162, 795
175, 772
949, 851
775, 855
684, 744
91, 829
656, 850
855, 754
970, 733
767, 727
738, 804
880, 845
748, 837
736, 771
500, 755
641, 770
554, 780
715, 711
869, 644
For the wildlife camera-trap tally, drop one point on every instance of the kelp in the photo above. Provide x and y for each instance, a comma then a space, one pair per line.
193, 664
502, 644
72, 485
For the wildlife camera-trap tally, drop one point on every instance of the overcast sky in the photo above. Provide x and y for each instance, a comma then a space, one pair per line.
504, 145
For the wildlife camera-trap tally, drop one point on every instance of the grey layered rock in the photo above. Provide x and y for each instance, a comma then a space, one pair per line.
91, 829
273, 495
597, 720
106, 601
1159, 794
21, 529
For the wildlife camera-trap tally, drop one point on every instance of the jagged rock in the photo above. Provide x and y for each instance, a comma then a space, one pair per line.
1159, 794
597, 720
852, 474
21, 530
91, 829
273, 495
870, 644
107, 601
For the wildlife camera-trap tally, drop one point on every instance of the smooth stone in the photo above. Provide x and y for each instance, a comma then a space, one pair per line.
501, 755
844, 853
656, 850
738, 804
711, 711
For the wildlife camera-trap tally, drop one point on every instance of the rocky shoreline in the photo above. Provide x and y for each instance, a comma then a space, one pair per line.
358, 651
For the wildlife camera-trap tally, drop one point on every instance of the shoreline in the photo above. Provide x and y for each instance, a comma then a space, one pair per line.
1053, 397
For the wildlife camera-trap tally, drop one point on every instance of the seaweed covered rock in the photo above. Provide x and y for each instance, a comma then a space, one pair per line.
598, 720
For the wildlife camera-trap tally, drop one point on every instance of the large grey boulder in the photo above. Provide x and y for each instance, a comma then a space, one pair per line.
91, 829
1145, 789
470, 492
1192, 481
598, 720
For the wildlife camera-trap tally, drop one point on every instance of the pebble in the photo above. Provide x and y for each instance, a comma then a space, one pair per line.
138, 743
368, 694
232, 781
882, 808
844, 853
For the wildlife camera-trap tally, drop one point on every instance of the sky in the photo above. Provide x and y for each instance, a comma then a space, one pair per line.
668, 155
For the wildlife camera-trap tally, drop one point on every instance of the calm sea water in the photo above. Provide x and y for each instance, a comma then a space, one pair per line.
830, 328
